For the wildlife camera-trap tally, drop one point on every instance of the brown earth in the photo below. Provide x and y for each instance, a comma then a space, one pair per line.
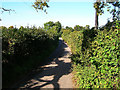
56, 74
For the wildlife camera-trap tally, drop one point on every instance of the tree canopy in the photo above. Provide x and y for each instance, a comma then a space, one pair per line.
99, 6
78, 28
41, 5
57, 26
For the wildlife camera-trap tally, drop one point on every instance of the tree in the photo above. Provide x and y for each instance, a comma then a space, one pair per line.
99, 5
69, 28
48, 25
87, 27
40, 5
57, 26
78, 28
113, 11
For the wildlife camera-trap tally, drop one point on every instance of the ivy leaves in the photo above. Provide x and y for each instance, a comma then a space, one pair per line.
97, 65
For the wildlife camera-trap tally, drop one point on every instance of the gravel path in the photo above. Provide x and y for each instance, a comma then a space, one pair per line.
56, 74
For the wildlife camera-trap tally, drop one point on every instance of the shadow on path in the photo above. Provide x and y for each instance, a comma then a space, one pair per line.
52, 72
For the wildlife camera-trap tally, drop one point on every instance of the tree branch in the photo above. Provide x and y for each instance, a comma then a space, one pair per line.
8, 10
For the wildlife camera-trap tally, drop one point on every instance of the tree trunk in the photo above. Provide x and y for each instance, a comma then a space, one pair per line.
96, 20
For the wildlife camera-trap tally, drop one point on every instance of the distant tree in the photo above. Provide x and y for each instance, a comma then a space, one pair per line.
69, 28
78, 28
87, 27
99, 5
58, 26
3, 27
48, 25
21, 28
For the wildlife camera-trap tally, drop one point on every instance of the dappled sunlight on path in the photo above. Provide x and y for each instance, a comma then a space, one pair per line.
56, 74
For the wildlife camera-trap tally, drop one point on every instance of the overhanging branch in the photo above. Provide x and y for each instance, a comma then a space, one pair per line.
8, 10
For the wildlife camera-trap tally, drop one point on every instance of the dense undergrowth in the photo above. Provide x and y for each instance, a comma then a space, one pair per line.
95, 56
23, 49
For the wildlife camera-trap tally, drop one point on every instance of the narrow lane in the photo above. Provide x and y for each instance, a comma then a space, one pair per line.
56, 74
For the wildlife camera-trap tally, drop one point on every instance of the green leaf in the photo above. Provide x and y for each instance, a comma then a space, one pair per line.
113, 47
107, 68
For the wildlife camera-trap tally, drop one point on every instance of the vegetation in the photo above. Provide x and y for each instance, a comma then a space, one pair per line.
50, 25
99, 6
95, 56
23, 49
41, 5
95, 53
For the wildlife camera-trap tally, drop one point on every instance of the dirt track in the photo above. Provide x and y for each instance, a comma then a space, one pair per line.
56, 74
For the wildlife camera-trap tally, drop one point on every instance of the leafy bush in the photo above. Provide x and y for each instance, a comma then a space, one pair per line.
95, 57
21, 49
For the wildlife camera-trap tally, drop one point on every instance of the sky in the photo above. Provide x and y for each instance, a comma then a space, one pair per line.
67, 12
